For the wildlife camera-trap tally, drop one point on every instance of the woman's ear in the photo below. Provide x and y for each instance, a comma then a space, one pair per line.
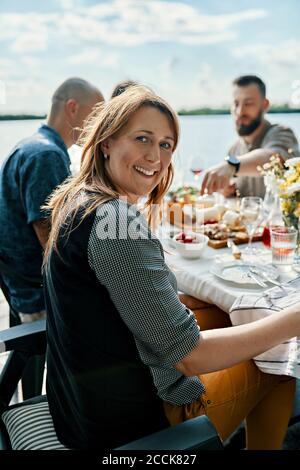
105, 146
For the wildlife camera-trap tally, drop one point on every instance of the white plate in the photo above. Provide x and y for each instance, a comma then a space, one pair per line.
236, 272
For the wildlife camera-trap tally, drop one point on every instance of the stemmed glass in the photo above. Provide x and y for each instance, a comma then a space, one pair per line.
196, 172
252, 215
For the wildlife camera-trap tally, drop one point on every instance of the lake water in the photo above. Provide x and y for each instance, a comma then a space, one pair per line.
204, 140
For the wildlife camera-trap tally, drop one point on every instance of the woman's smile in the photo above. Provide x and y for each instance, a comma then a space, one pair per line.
144, 172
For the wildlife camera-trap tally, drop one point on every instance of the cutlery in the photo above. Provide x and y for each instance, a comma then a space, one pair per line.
256, 279
266, 277
236, 253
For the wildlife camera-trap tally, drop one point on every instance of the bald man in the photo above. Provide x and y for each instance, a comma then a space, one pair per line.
33, 169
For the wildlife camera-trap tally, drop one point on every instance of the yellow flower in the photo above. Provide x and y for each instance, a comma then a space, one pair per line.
285, 205
291, 179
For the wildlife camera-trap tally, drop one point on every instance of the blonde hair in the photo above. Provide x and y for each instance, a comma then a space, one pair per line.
93, 186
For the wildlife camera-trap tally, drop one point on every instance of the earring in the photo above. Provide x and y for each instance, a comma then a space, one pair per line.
106, 156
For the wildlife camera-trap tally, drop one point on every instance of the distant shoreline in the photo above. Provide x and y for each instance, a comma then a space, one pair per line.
21, 117
181, 112
213, 112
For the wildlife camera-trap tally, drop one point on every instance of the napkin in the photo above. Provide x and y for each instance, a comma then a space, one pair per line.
283, 359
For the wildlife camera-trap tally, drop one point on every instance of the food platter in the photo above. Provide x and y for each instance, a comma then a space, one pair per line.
238, 235
216, 221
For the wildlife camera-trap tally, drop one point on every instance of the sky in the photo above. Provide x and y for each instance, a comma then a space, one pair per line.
188, 51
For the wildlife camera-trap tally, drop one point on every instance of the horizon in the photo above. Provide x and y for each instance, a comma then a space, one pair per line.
275, 109
187, 51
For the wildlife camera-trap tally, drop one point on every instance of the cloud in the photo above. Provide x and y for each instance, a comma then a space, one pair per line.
204, 75
66, 4
25, 32
20, 94
88, 56
167, 68
6, 62
284, 54
202, 89
30, 61
30, 42
132, 22
94, 56
8, 68
122, 23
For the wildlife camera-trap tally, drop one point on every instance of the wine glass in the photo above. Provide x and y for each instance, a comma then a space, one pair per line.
252, 215
196, 172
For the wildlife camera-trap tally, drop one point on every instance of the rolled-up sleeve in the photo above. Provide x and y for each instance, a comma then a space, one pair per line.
39, 176
140, 286
282, 140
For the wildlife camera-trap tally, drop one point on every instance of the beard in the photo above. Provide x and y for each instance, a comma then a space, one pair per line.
247, 129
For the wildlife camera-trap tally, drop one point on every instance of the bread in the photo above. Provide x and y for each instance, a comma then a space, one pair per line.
231, 218
212, 214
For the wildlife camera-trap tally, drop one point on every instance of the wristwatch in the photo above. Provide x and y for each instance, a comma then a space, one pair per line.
231, 160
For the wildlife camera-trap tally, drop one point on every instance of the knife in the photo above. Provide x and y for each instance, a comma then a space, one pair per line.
266, 277
256, 279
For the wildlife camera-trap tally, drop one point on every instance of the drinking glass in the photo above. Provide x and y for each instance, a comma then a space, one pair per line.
283, 244
252, 215
196, 172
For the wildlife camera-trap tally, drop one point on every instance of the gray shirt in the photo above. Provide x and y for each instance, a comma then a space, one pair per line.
274, 137
129, 261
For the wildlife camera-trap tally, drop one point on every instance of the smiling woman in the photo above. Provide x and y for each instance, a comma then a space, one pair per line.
127, 155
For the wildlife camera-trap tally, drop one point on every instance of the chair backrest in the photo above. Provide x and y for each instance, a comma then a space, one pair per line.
29, 425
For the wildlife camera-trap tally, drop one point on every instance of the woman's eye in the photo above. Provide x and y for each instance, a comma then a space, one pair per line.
142, 138
166, 145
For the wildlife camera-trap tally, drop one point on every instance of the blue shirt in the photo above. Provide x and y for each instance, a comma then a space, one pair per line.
28, 176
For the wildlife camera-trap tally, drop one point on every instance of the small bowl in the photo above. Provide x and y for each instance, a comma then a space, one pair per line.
191, 250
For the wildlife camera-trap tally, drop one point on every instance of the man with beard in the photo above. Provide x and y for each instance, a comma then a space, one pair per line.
258, 140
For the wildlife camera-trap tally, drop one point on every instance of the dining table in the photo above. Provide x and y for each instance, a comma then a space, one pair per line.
202, 279
195, 276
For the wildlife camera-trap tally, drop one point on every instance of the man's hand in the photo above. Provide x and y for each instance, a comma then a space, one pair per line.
218, 179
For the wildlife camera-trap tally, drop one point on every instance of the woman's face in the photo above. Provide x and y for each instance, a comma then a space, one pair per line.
139, 155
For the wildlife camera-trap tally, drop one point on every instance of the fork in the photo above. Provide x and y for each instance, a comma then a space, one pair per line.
256, 279
267, 278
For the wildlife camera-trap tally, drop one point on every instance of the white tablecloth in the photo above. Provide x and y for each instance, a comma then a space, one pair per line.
194, 277
245, 304
283, 359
